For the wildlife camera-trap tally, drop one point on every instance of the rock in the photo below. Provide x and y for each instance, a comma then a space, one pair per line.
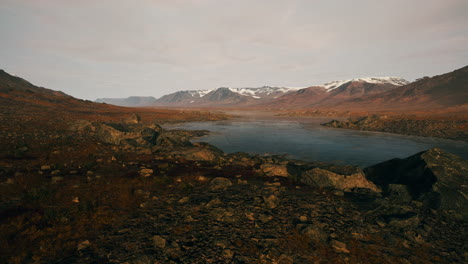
339, 247
133, 119
184, 200
159, 242
435, 177
264, 218
272, 170
213, 203
221, 244
227, 254
409, 223
127, 135
146, 172
45, 167
143, 260
284, 259
271, 201
220, 183
337, 193
327, 179
315, 233
84, 244
199, 152
56, 179
222, 215
398, 192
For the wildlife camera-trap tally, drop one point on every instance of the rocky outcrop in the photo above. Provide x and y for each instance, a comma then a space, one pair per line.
323, 178
199, 152
451, 129
435, 177
133, 135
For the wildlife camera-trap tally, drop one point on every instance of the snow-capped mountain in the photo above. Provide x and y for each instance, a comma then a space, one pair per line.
224, 96
333, 93
274, 97
375, 80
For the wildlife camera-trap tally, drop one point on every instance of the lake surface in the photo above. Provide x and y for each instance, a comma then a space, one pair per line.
305, 139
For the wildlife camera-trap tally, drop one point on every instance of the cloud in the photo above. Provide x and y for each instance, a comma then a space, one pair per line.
200, 43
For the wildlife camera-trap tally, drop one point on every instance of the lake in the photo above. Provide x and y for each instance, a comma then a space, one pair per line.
305, 139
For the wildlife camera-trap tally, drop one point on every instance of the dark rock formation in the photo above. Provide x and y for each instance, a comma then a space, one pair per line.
435, 177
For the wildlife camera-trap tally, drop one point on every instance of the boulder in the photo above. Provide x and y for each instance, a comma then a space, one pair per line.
220, 183
323, 178
272, 170
435, 177
199, 152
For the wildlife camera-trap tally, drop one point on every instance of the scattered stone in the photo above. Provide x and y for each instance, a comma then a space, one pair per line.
315, 233
45, 167
221, 244
264, 218
146, 172
339, 247
250, 216
272, 170
213, 203
271, 201
284, 259
159, 242
240, 181
84, 244
56, 179
184, 200
228, 254
337, 193
220, 183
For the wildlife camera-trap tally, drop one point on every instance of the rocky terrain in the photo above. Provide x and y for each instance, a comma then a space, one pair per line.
450, 128
131, 192
82, 182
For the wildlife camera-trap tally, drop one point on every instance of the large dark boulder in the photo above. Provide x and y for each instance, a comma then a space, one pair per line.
436, 177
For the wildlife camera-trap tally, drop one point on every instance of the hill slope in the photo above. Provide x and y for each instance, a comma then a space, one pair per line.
444, 91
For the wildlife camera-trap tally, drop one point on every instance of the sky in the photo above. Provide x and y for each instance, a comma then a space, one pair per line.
118, 48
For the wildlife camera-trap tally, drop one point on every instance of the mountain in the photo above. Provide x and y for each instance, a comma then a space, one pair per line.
335, 92
16, 92
132, 101
223, 97
26, 106
444, 91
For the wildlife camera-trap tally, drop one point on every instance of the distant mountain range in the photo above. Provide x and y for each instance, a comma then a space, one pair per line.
443, 92
267, 96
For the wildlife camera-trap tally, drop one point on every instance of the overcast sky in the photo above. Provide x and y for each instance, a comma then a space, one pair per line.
118, 48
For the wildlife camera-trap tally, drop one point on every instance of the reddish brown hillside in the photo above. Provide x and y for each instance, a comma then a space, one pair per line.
445, 91
24, 101
317, 96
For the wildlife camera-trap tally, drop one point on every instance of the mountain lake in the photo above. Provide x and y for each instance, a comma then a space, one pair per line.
304, 139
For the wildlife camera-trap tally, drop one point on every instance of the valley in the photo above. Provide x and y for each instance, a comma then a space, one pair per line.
84, 182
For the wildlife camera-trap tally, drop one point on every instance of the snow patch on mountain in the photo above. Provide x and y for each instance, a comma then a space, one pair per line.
377, 80
199, 93
261, 91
